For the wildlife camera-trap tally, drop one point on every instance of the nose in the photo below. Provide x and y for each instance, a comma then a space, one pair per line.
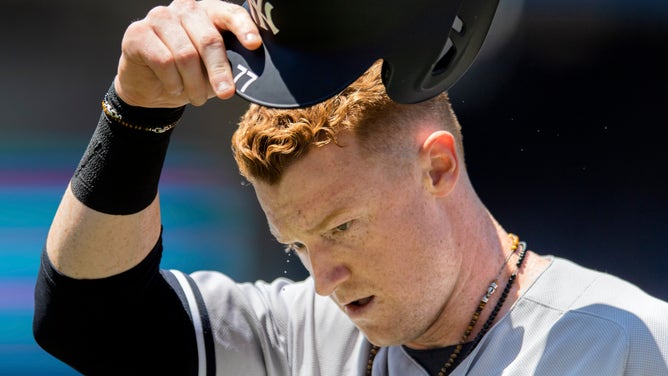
327, 271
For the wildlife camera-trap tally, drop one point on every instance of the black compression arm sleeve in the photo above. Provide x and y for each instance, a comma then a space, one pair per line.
129, 324
121, 167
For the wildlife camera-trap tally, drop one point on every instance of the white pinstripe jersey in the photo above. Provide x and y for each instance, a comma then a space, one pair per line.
571, 321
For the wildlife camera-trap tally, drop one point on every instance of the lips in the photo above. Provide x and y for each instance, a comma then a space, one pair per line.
358, 307
362, 301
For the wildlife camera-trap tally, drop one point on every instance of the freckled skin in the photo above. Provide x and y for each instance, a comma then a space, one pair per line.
396, 247
404, 227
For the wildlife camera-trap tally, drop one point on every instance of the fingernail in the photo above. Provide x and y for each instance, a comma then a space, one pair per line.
250, 37
223, 86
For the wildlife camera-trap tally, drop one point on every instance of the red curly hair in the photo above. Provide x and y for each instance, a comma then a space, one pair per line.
268, 140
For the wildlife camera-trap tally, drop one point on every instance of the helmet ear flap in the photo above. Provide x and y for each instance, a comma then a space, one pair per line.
444, 71
407, 83
445, 59
465, 40
449, 52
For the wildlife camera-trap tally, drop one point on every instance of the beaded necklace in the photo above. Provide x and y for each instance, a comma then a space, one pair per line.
516, 246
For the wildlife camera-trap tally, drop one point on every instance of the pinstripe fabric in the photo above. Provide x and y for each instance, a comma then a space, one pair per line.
571, 321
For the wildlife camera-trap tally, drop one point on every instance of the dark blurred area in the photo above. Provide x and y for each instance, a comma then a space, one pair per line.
565, 128
564, 117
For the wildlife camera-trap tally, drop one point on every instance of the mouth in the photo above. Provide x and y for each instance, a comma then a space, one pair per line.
358, 307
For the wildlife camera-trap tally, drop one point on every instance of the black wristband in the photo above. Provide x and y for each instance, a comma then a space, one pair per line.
120, 170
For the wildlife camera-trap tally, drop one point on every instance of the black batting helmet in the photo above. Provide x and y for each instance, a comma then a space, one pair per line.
313, 49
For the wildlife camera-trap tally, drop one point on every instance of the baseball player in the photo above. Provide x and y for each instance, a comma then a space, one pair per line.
363, 176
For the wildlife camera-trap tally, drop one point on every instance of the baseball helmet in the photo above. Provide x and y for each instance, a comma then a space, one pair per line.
313, 49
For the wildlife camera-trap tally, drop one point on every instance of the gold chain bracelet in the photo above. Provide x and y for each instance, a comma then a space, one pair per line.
111, 113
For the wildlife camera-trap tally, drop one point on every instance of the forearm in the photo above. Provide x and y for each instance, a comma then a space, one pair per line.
84, 243
109, 217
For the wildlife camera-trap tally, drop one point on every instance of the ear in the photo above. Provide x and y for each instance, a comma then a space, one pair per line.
440, 164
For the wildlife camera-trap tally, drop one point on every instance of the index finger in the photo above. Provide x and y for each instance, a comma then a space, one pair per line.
236, 19
204, 30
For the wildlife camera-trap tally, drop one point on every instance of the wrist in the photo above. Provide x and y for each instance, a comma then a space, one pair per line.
120, 170
155, 120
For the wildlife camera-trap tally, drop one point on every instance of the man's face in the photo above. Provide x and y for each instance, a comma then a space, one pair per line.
372, 237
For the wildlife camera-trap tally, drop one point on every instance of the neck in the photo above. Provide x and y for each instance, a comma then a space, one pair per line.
484, 246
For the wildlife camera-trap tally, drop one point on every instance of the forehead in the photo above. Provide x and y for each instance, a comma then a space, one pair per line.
325, 181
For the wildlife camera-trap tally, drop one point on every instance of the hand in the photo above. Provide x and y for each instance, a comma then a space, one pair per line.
176, 54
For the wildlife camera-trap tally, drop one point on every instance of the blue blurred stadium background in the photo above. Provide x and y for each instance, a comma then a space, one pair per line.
564, 115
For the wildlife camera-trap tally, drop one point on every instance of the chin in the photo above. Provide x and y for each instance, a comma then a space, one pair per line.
382, 340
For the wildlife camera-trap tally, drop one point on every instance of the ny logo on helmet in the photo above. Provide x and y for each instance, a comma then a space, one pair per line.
262, 14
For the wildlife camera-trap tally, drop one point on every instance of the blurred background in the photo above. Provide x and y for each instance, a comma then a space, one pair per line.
564, 117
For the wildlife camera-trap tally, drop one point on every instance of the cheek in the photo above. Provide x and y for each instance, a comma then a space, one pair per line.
410, 239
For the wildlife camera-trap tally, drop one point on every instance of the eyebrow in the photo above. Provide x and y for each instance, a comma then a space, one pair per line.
325, 223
